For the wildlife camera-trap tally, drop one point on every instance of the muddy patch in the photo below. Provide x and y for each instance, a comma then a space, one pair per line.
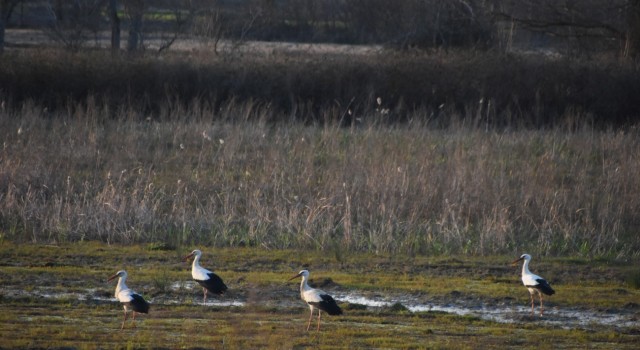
567, 318
505, 312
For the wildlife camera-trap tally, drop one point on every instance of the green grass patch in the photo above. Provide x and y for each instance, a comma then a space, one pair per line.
260, 277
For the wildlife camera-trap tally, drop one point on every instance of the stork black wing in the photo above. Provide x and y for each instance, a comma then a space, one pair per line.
214, 284
544, 287
328, 305
138, 304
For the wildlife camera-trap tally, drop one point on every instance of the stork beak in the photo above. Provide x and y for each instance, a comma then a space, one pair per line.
296, 276
112, 278
186, 258
516, 261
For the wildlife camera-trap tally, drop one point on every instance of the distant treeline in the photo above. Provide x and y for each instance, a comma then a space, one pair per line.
495, 90
576, 28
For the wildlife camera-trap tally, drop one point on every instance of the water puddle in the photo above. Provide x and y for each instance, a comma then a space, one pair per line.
191, 287
183, 285
565, 318
210, 302
190, 292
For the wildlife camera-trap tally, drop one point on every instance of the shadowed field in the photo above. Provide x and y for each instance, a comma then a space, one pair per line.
57, 296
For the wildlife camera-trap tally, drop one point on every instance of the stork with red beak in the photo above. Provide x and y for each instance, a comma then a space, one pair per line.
130, 301
534, 283
209, 281
316, 299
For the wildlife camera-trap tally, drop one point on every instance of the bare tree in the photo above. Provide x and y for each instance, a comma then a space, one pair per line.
419, 23
247, 26
213, 23
115, 26
582, 24
632, 33
183, 13
209, 26
6, 8
135, 12
74, 23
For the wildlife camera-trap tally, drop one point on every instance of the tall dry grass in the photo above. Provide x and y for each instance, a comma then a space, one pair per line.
226, 177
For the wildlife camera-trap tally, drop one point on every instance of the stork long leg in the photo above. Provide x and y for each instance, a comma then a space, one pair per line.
532, 302
133, 319
541, 307
319, 313
124, 320
205, 295
310, 317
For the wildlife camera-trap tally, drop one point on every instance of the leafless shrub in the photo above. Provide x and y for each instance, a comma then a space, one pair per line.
73, 25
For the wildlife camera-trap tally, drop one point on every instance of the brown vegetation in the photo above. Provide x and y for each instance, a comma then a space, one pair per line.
238, 171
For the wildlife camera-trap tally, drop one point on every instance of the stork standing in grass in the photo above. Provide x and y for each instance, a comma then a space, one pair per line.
130, 300
316, 299
534, 283
209, 281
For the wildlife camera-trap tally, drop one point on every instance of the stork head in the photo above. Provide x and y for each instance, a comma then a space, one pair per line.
121, 274
196, 253
303, 273
525, 257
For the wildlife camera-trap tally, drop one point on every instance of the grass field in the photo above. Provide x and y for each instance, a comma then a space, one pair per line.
56, 296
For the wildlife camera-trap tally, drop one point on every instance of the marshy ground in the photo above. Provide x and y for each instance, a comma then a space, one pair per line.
56, 296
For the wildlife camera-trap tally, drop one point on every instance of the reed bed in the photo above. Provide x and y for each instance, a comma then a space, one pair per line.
226, 177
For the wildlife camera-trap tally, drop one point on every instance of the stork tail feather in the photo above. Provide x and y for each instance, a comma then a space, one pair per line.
329, 305
214, 284
545, 288
138, 304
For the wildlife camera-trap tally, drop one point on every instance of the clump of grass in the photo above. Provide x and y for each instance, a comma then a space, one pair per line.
353, 306
161, 282
396, 307
159, 246
633, 278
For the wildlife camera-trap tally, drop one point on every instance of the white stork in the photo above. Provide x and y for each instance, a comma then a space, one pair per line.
534, 283
316, 299
130, 300
207, 279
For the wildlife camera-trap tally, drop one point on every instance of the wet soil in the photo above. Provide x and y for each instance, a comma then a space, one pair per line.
78, 275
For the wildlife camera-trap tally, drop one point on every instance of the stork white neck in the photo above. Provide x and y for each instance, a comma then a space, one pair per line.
196, 261
525, 267
303, 284
121, 285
